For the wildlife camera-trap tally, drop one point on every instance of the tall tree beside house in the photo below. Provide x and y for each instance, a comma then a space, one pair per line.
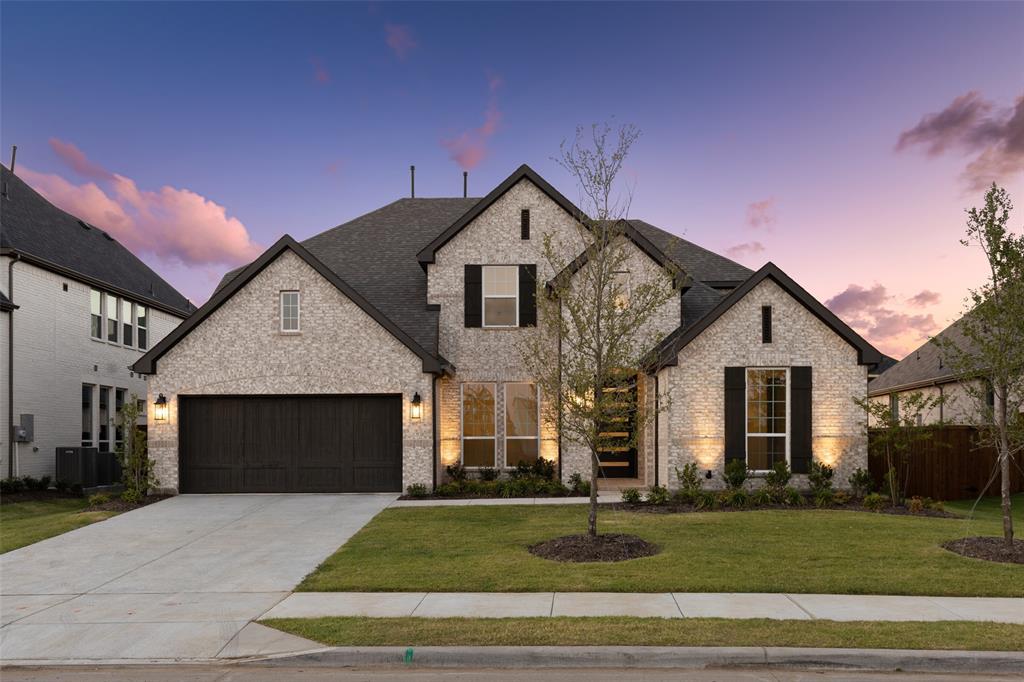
989, 361
588, 353
137, 474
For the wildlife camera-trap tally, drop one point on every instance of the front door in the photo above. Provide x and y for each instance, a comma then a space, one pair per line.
617, 455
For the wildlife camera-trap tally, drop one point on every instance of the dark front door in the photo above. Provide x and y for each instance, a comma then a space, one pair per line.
617, 454
264, 444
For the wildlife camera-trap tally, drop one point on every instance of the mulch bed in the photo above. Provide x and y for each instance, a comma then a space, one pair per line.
988, 549
36, 496
583, 548
116, 504
673, 508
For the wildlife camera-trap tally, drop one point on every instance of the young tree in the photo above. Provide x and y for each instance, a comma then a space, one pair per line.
895, 432
137, 474
988, 354
594, 318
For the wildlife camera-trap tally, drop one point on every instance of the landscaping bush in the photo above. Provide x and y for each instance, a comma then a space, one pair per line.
690, 482
776, 480
706, 499
417, 490
820, 478
539, 468
735, 474
579, 485
658, 495
488, 474
631, 496
824, 497
840, 497
915, 505
793, 497
937, 505
763, 497
456, 472
35, 484
131, 496
12, 485
874, 502
98, 499
61, 485
861, 483
737, 498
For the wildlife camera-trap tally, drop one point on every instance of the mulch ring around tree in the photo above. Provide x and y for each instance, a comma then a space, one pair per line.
988, 549
116, 504
584, 549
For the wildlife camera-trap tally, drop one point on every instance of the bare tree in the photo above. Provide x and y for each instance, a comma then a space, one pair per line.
595, 317
988, 353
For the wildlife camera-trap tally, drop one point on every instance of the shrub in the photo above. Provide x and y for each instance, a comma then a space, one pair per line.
763, 497
131, 496
579, 485
658, 495
12, 485
735, 474
820, 478
456, 472
44, 483
61, 485
937, 505
543, 468
138, 473
874, 502
36, 484
706, 499
737, 498
915, 505
416, 490
690, 481
631, 496
793, 497
76, 488
488, 474
448, 490
777, 479
824, 497
840, 497
98, 499
861, 483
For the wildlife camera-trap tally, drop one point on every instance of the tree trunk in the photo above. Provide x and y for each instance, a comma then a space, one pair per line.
592, 518
1004, 464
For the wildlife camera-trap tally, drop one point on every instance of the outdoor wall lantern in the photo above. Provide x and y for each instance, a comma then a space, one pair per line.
416, 406
160, 408
708, 475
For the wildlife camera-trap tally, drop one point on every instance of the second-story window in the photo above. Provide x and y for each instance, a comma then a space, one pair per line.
128, 335
501, 295
289, 311
142, 323
96, 317
112, 321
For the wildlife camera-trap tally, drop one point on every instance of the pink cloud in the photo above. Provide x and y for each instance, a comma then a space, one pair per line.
745, 249
761, 213
400, 39
856, 299
975, 125
469, 148
924, 298
891, 331
76, 160
320, 73
174, 225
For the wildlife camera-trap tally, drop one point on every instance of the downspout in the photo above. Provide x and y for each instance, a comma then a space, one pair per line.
10, 367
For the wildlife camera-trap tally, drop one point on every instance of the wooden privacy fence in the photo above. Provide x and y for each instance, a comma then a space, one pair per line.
948, 466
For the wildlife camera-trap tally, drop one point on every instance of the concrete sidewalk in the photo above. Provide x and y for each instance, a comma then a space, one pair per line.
648, 605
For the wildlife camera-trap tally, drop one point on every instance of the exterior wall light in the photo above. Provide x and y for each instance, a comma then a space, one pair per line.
416, 407
160, 408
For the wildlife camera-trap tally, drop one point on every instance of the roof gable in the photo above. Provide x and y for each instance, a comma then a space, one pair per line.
667, 352
924, 366
147, 363
428, 253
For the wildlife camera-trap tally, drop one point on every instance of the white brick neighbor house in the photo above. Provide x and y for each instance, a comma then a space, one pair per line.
373, 355
76, 310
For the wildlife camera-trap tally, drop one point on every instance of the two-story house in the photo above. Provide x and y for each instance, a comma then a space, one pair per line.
373, 355
77, 309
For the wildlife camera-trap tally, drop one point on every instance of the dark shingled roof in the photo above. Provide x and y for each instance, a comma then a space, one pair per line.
922, 367
701, 264
35, 228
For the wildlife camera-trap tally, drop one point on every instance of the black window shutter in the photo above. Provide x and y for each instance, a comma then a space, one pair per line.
766, 324
528, 295
735, 413
473, 295
800, 419
524, 223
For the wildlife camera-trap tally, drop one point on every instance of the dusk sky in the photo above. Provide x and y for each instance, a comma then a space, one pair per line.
842, 142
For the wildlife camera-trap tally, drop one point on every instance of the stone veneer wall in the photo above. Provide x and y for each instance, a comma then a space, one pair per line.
240, 350
490, 355
693, 427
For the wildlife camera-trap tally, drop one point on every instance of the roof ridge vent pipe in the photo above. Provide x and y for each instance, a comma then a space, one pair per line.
14, 156
465, 184
412, 182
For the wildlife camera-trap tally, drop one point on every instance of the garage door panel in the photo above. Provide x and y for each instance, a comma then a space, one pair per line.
346, 443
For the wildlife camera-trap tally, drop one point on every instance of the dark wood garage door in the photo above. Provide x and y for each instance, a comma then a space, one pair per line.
270, 444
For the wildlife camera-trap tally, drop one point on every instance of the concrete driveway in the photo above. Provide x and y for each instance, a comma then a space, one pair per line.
179, 579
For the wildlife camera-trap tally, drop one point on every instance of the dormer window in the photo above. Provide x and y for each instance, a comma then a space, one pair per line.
290, 312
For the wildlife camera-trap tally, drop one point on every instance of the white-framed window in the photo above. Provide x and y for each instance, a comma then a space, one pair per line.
104, 421
522, 423
127, 326
501, 295
479, 419
96, 314
119, 394
142, 325
290, 311
87, 427
112, 321
621, 288
767, 417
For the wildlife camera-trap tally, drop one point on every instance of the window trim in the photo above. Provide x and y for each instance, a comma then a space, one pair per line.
536, 391
140, 327
129, 325
116, 319
746, 418
103, 298
298, 311
484, 296
462, 424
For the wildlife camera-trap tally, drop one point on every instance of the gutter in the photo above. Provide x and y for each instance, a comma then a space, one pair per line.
15, 257
924, 383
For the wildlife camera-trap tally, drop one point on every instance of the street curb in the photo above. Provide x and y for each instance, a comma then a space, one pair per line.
991, 662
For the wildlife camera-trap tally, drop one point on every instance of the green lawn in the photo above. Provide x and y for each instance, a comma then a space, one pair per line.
652, 632
22, 523
483, 549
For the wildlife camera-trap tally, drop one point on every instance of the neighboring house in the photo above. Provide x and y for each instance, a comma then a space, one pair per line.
373, 355
76, 310
923, 371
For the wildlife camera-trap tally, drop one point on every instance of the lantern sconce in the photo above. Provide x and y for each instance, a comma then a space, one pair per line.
708, 475
416, 406
160, 408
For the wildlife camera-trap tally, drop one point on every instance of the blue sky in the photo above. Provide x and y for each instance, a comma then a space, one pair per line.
768, 129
